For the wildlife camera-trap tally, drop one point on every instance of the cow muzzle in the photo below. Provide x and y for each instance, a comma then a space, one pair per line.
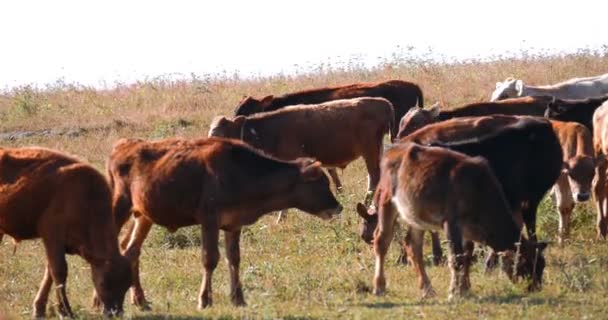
582, 196
330, 213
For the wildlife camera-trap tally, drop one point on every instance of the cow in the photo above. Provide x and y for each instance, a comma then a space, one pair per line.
523, 151
600, 187
574, 183
216, 183
335, 133
66, 203
434, 188
402, 94
416, 118
580, 111
576, 88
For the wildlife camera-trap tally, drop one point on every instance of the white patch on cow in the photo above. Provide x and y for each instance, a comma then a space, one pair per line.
407, 211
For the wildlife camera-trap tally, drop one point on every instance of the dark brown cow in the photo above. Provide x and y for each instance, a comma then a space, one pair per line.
417, 118
66, 203
574, 183
580, 111
335, 133
600, 188
438, 189
402, 94
216, 183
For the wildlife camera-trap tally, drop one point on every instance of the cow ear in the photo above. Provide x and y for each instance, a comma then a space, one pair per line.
267, 100
311, 171
434, 110
498, 84
519, 87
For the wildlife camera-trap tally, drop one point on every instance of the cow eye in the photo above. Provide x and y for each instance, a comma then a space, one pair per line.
124, 168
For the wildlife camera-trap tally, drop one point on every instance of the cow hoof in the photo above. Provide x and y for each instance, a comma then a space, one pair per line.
204, 303
237, 298
428, 293
402, 260
379, 292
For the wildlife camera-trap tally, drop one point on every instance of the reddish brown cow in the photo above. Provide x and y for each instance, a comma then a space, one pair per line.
402, 94
529, 106
66, 203
335, 133
435, 188
574, 183
600, 188
216, 183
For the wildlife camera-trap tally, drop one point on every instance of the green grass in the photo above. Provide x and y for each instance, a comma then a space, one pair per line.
304, 268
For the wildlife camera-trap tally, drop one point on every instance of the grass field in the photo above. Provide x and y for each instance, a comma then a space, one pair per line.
303, 268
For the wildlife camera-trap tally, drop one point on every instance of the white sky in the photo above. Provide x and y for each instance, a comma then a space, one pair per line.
96, 40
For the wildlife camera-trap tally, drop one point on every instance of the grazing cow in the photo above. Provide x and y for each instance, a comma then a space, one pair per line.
580, 111
574, 183
576, 88
416, 118
216, 183
66, 203
600, 188
402, 94
435, 188
335, 133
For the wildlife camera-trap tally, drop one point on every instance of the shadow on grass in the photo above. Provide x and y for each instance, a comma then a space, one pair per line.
226, 317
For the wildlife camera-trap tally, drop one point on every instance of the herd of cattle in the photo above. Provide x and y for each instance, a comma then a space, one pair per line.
477, 172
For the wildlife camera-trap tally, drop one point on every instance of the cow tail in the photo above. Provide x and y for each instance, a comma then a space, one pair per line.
420, 98
391, 123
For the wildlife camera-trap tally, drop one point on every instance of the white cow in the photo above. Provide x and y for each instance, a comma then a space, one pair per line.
576, 88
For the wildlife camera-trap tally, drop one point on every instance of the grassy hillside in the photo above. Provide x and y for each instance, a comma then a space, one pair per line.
303, 268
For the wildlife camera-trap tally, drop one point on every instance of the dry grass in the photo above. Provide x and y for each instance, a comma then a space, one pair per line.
304, 268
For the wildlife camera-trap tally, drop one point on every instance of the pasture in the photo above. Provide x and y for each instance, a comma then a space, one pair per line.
304, 267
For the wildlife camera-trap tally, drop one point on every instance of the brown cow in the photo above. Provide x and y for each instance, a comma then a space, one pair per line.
216, 183
66, 203
574, 183
402, 94
417, 118
600, 188
335, 133
434, 188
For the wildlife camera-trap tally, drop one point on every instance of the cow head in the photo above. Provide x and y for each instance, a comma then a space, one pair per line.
417, 118
530, 260
224, 127
369, 221
580, 170
111, 279
312, 193
510, 88
556, 109
250, 105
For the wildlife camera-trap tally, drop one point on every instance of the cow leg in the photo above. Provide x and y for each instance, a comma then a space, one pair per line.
282, 215
437, 251
529, 217
469, 246
383, 235
565, 204
210, 259
491, 260
333, 174
42, 296
58, 268
140, 230
402, 259
372, 163
414, 241
233, 257
456, 260
601, 198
